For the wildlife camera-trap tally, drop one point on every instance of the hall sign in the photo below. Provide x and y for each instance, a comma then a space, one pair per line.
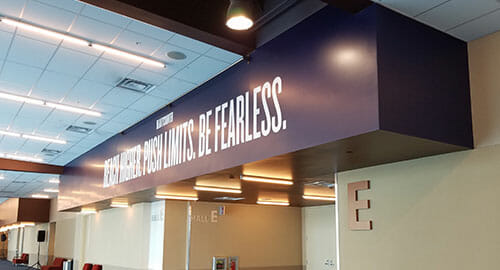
247, 117
334, 82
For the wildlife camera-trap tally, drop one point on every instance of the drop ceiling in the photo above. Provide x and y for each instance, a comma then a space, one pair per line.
465, 19
50, 69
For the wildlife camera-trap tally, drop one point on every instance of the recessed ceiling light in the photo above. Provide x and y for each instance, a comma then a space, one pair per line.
54, 181
217, 189
40, 196
229, 199
81, 42
176, 55
40, 102
88, 211
51, 190
19, 157
2, 177
119, 205
176, 197
319, 198
279, 203
266, 180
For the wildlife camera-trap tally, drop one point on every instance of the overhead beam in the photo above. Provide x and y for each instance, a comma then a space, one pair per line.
25, 166
353, 6
183, 18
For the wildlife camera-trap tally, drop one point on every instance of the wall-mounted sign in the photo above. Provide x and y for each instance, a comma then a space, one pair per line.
315, 84
355, 205
248, 117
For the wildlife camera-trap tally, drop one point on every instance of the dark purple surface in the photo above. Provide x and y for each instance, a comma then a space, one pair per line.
328, 64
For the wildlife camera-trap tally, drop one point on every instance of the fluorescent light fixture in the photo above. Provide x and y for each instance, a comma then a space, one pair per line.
217, 189
40, 196
32, 137
88, 211
51, 190
279, 203
43, 139
54, 181
128, 55
8, 133
119, 204
266, 180
28, 224
57, 106
176, 197
2, 177
19, 157
319, 198
82, 42
43, 31
67, 108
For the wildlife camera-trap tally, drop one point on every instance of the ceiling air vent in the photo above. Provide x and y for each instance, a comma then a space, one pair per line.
50, 152
135, 85
79, 129
20, 182
320, 183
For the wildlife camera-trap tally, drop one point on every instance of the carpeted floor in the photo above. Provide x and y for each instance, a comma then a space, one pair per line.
7, 265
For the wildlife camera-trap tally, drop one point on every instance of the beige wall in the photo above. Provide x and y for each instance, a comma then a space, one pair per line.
264, 237
319, 237
439, 212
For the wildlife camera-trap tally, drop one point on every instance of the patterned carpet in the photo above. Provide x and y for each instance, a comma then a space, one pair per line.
7, 265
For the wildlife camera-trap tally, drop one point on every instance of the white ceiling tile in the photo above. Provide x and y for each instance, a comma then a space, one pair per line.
107, 111
94, 30
47, 16
26, 124
136, 43
150, 30
121, 97
5, 39
11, 144
148, 76
71, 62
172, 89
149, 104
223, 55
113, 127
129, 117
13, 187
70, 5
410, 7
54, 86
86, 93
189, 43
201, 70
33, 147
478, 28
53, 128
77, 149
17, 78
108, 72
12, 8
105, 16
38, 113
455, 12
8, 109
63, 117
173, 65
30, 52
